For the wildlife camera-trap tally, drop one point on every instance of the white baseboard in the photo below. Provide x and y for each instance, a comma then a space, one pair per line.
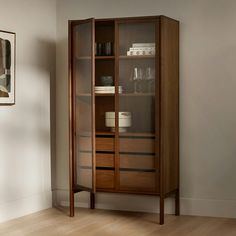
25, 206
208, 207
143, 203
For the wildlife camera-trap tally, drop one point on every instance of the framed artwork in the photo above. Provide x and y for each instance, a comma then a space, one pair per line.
7, 67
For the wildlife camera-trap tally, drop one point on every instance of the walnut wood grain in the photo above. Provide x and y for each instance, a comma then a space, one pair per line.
170, 103
140, 181
105, 160
105, 144
105, 179
137, 161
139, 145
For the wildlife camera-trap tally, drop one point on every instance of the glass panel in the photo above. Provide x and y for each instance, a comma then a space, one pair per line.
136, 116
105, 104
82, 65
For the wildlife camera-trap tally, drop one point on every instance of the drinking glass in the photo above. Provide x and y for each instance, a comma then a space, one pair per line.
136, 78
149, 77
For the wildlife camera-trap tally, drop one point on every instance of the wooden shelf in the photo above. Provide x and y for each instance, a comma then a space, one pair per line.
137, 57
120, 94
96, 57
144, 135
136, 94
104, 57
127, 134
105, 133
104, 94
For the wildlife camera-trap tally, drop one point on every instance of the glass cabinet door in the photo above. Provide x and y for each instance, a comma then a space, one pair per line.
137, 105
83, 81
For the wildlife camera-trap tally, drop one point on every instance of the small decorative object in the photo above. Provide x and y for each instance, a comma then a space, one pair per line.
141, 49
104, 49
107, 89
106, 80
150, 79
124, 121
98, 49
7, 67
108, 49
136, 78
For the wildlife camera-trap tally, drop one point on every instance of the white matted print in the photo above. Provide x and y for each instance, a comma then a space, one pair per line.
7, 67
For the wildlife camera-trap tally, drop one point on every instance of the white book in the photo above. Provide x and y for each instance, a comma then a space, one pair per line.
137, 45
141, 53
142, 49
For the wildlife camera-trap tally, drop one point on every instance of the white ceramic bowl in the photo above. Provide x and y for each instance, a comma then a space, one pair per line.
124, 119
122, 115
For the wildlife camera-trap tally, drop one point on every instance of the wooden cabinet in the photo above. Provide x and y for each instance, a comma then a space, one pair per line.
124, 107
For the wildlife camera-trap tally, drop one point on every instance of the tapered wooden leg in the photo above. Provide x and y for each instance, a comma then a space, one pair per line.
72, 204
162, 209
92, 200
177, 204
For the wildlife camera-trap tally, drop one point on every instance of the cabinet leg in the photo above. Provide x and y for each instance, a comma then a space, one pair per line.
177, 203
162, 209
92, 200
72, 204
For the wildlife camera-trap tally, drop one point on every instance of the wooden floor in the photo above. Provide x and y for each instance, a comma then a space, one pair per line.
114, 223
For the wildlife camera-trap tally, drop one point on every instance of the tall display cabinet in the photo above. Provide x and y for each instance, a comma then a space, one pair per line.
124, 107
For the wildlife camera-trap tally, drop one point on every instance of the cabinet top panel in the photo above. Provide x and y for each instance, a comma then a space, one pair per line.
135, 18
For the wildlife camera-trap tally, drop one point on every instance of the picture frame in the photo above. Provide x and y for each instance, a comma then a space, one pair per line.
7, 67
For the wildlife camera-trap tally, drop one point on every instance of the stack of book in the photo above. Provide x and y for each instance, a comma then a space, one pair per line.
140, 49
107, 89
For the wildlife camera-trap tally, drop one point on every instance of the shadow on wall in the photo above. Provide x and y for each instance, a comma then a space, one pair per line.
27, 137
46, 51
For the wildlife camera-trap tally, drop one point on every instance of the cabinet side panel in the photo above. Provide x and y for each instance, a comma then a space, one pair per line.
170, 103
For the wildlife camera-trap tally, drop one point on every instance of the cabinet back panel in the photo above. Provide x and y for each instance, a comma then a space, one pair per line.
103, 105
103, 67
104, 31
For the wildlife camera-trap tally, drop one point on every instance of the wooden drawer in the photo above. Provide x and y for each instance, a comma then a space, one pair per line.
84, 177
138, 145
105, 179
137, 161
105, 144
84, 144
84, 159
104, 160
137, 180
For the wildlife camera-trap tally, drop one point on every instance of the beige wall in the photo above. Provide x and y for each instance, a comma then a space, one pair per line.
25, 164
207, 101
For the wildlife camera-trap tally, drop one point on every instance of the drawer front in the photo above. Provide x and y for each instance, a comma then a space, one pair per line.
137, 145
84, 144
104, 160
137, 181
84, 177
137, 161
105, 179
84, 159
105, 144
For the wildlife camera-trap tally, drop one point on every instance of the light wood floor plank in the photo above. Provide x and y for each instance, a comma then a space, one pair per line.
55, 222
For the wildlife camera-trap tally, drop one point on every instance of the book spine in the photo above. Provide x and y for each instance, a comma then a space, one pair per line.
140, 53
137, 45
142, 49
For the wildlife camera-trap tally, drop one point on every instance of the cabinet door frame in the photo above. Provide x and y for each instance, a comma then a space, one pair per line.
72, 110
158, 163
